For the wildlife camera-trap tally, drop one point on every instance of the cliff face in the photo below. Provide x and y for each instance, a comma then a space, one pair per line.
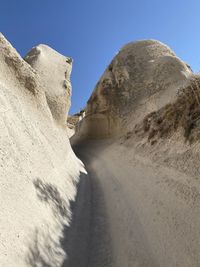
143, 76
38, 169
148, 176
54, 71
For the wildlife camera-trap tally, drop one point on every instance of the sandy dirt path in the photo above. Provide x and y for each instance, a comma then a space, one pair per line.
141, 214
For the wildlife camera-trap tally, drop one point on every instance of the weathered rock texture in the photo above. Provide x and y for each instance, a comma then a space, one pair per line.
54, 70
148, 178
38, 169
181, 114
143, 76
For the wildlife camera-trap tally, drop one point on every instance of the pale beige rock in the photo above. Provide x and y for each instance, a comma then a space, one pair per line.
146, 195
143, 76
54, 70
38, 169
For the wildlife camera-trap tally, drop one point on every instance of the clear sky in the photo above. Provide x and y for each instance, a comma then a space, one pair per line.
92, 31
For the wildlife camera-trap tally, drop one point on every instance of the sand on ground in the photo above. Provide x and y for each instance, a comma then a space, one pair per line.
141, 213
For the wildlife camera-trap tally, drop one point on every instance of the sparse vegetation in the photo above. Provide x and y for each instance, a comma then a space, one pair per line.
183, 113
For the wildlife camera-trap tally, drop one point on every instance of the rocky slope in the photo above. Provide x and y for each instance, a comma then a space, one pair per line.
140, 203
148, 100
143, 77
54, 70
38, 169
143, 161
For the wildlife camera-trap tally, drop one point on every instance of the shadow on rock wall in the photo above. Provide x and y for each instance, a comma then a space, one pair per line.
46, 248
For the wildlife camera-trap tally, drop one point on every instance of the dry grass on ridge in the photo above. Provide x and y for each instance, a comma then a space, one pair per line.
183, 113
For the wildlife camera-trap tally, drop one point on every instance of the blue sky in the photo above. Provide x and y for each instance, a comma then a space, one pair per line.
92, 31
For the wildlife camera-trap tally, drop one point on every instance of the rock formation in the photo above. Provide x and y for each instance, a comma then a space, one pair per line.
146, 175
144, 95
54, 70
143, 76
39, 171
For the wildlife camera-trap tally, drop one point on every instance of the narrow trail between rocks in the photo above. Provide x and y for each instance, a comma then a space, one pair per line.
135, 218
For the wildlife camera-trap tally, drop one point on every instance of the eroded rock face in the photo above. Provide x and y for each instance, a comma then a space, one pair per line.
54, 70
144, 73
38, 169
